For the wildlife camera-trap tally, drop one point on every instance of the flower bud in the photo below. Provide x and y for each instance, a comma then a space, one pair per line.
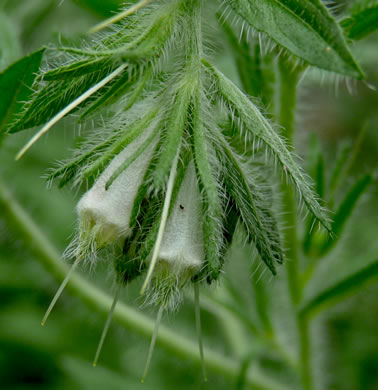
181, 254
106, 213
182, 246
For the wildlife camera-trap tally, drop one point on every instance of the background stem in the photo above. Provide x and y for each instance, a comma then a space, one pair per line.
288, 95
288, 88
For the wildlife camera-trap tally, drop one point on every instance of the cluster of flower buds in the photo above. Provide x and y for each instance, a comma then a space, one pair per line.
167, 159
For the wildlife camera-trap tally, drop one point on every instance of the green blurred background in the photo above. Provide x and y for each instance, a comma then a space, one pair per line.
58, 356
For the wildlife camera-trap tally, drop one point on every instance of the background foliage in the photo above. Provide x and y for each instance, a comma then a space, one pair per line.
247, 318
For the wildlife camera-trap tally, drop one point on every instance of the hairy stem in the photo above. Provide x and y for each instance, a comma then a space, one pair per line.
288, 85
126, 316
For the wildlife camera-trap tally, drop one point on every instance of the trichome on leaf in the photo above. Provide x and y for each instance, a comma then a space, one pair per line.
169, 187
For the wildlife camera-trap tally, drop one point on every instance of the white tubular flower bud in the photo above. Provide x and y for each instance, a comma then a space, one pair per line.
107, 213
182, 246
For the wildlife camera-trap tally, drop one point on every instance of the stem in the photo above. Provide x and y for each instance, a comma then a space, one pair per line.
197, 310
289, 80
261, 302
305, 351
126, 316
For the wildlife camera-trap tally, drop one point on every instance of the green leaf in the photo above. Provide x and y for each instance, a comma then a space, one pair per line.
254, 123
140, 41
342, 289
173, 134
318, 174
319, 177
345, 210
53, 96
16, 86
101, 7
305, 28
212, 206
244, 367
128, 81
254, 70
138, 88
76, 69
247, 66
255, 215
363, 20
337, 172
261, 301
119, 88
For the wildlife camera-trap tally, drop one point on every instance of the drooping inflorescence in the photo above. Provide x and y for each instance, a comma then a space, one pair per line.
170, 178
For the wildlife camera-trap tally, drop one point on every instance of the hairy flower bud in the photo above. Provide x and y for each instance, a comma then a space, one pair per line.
181, 254
106, 212
182, 246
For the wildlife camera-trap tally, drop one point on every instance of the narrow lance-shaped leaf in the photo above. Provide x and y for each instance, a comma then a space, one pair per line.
119, 88
255, 70
362, 21
210, 198
76, 69
53, 96
254, 123
305, 28
148, 36
320, 177
138, 89
173, 135
345, 210
254, 214
342, 289
318, 173
337, 172
16, 86
247, 66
